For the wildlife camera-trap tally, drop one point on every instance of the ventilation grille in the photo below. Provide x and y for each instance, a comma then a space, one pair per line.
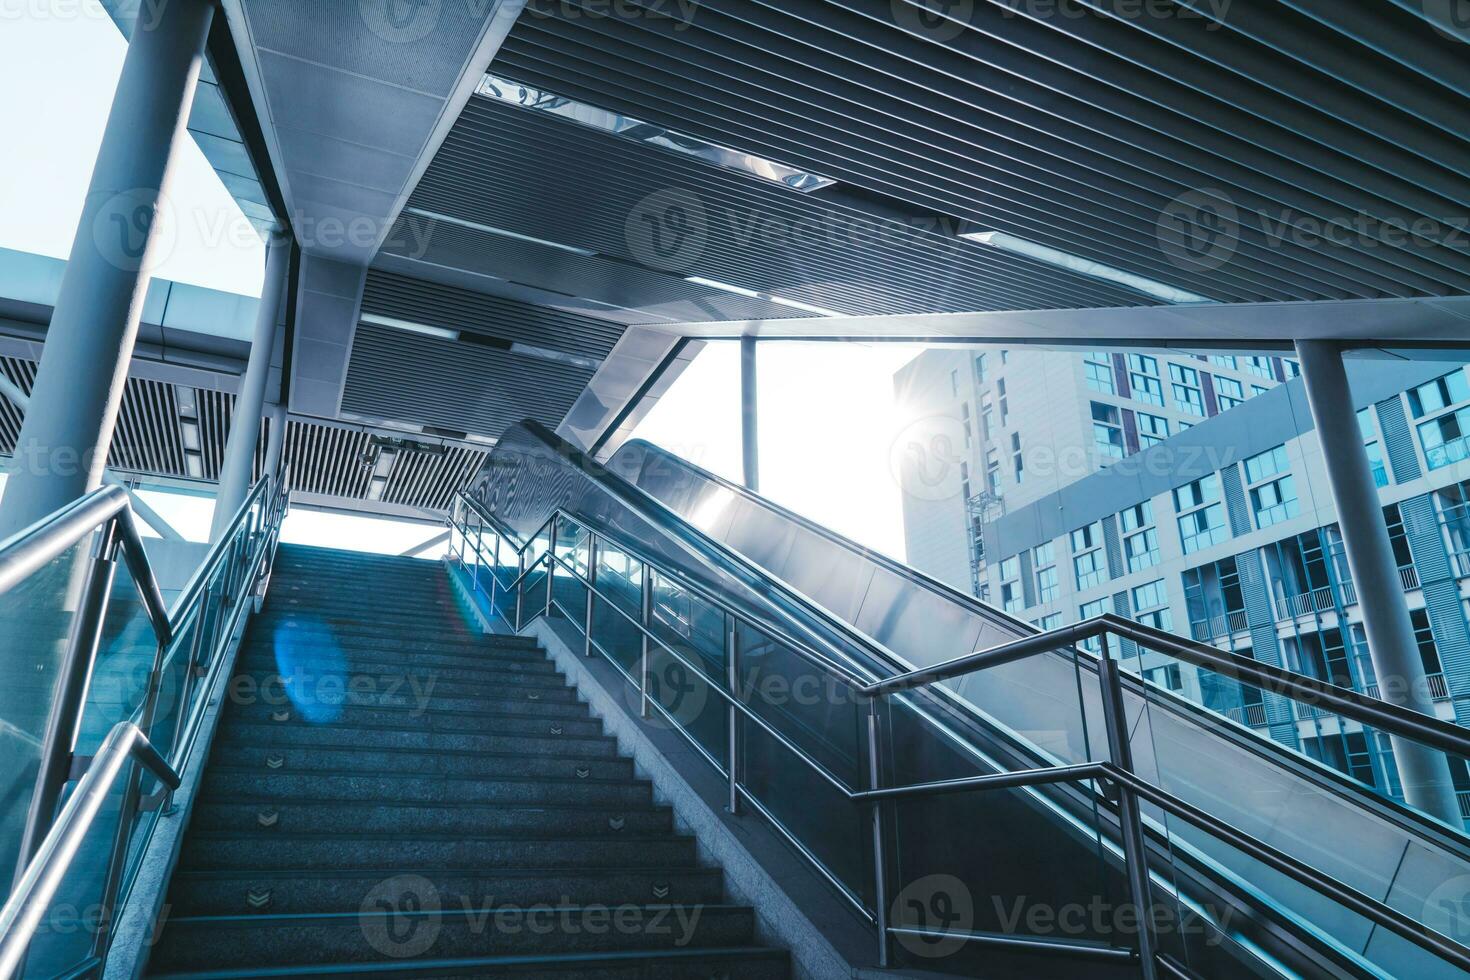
150, 440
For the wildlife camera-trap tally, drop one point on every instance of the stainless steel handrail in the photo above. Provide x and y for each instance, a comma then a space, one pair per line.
240, 557
32, 895
1126, 787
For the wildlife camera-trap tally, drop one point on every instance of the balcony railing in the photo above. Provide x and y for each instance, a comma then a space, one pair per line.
1208, 629
1410, 577
1305, 604
1252, 715
1462, 564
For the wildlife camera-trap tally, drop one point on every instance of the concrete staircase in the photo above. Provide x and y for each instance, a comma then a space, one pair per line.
392, 793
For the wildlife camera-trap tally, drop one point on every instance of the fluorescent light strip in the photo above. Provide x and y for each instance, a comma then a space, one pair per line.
561, 357
1086, 267
768, 297
475, 225
528, 97
819, 311
393, 323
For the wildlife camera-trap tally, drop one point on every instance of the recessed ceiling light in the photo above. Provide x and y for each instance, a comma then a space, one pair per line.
528, 97
723, 286
561, 357
794, 304
1087, 267
393, 323
448, 219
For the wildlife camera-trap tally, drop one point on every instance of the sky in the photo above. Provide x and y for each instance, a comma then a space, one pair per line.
59, 65
827, 412
828, 419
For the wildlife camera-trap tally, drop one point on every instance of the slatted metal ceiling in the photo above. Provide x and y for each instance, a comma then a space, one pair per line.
323, 458
454, 385
814, 248
1075, 131
624, 285
404, 298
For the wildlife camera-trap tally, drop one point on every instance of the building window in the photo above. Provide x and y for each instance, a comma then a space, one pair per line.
1107, 431
1168, 676
1375, 451
1017, 458
1261, 367
980, 368
1152, 430
1098, 367
1012, 598
1446, 439
1272, 487
1088, 561
1140, 537
992, 472
1048, 623
1000, 392
1258, 390
1229, 392
1292, 368
1092, 610
1151, 605
1184, 383
987, 417
1143, 378
1201, 515
1224, 361
1048, 583
1424, 637
1454, 508
1439, 394
954, 383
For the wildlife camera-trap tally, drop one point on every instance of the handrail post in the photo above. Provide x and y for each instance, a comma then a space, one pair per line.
880, 863
494, 573
1130, 819
591, 584
732, 676
520, 584
550, 565
645, 620
71, 693
479, 543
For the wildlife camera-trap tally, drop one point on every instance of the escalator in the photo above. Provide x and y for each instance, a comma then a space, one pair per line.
1024, 859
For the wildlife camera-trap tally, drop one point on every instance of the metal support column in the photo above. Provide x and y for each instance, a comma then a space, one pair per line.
275, 440
63, 443
1425, 773
238, 466
749, 428
645, 619
1130, 817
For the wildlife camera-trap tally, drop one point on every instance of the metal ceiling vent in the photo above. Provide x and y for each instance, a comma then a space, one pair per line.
528, 97
382, 456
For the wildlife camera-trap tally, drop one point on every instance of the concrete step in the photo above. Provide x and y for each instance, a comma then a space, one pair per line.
235, 734
291, 890
201, 942
278, 687
734, 963
314, 645
487, 666
205, 850
521, 765
570, 720
323, 816
223, 783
